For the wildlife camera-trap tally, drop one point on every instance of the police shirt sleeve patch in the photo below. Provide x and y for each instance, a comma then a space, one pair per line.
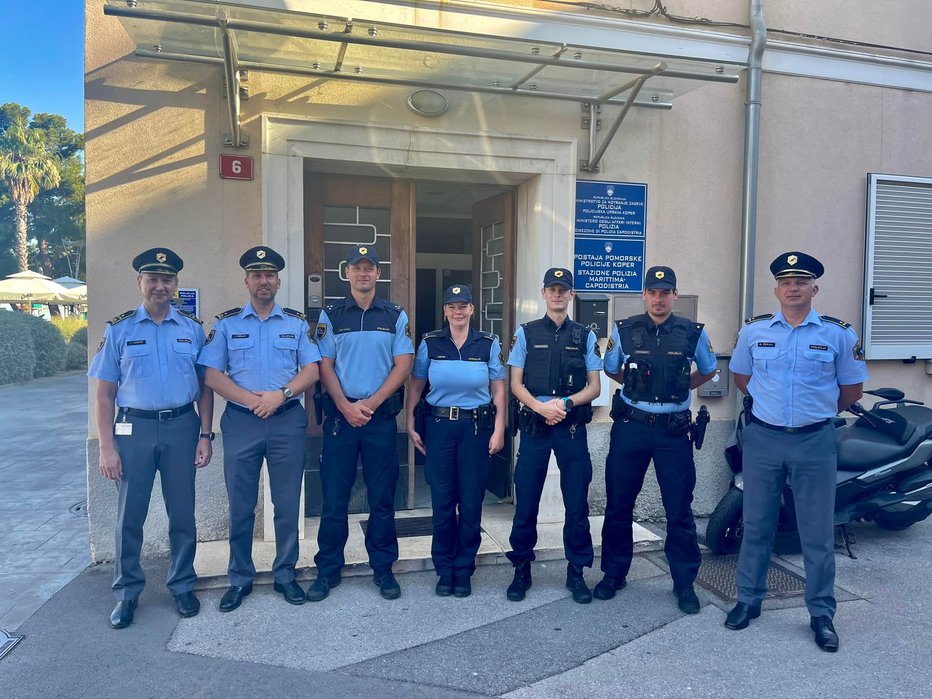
858, 351
103, 341
610, 346
210, 336
321, 331
514, 341
711, 351
408, 329
598, 350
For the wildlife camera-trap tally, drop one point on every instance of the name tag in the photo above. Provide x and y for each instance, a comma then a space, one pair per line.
136, 342
239, 336
186, 340
124, 429
384, 329
824, 348
289, 336
675, 353
540, 346
766, 344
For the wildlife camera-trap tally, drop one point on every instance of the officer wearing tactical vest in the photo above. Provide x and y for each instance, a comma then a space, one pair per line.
555, 367
652, 355
148, 381
367, 356
800, 369
261, 358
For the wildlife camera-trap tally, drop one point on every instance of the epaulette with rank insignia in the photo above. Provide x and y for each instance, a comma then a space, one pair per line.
121, 317
396, 306
228, 313
190, 315
487, 336
292, 312
836, 321
762, 316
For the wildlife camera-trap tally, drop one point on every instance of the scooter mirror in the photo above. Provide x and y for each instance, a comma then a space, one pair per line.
893, 394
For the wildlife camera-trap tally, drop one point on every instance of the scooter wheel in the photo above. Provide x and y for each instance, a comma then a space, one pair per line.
725, 529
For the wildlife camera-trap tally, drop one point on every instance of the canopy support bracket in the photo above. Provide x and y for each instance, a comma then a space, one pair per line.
233, 78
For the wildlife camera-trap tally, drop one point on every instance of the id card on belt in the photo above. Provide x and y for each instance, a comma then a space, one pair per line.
123, 429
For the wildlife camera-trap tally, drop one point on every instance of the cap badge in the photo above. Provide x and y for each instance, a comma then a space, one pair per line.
456, 290
260, 254
792, 259
659, 274
363, 251
558, 273
161, 256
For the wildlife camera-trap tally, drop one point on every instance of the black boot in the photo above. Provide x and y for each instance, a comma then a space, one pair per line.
576, 584
521, 583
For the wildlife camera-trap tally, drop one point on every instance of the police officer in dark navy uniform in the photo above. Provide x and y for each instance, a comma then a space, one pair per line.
555, 367
800, 369
261, 358
367, 356
458, 429
652, 355
147, 384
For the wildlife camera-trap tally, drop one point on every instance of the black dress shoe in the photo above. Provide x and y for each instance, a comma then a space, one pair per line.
825, 636
462, 587
521, 583
576, 583
188, 604
291, 591
608, 586
739, 617
444, 586
321, 587
122, 614
233, 597
388, 586
686, 600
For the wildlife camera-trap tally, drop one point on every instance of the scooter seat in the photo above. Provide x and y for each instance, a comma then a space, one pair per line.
863, 448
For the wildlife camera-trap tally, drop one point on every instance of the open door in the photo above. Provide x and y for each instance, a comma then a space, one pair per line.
494, 262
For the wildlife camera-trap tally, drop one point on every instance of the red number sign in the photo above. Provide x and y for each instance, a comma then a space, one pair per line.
235, 167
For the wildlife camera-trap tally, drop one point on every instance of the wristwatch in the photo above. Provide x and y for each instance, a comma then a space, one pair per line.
208, 435
288, 392
567, 404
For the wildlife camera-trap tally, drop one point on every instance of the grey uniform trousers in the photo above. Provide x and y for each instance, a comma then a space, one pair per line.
281, 440
810, 461
167, 447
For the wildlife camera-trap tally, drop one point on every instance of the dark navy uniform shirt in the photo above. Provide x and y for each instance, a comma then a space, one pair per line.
459, 377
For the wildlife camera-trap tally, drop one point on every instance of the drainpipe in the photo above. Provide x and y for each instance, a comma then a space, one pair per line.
751, 159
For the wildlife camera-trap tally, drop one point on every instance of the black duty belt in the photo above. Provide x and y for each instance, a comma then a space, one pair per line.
659, 419
281, 409
789, 430
160, 415
454, 413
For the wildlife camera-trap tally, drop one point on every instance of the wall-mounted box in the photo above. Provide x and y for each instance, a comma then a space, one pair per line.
720, 384
592, 311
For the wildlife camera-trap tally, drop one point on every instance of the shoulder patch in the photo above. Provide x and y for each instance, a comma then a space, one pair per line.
293, 313
190, 315
514, 341
836, 321
210, 336
858, 351
228, 313
610, 346
320, 332
763, 316
121, 317
598, 350
408, 329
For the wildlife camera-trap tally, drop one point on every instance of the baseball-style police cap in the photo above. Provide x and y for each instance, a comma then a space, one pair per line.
158, 261
457, 294
262, 259
660, 278
796, 264
362, 252
558, 275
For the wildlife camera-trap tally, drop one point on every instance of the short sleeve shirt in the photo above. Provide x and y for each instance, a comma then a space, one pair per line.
459, 377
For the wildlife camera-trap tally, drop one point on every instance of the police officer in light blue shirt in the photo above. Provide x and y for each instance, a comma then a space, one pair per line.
800, 369
651, 355
460, 426
555, 367
367, 356
261, 358
148, 381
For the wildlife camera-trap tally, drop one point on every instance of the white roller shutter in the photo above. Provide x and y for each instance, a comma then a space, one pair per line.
898, 268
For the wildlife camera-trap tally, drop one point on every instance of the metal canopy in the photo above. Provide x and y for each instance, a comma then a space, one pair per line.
239, 37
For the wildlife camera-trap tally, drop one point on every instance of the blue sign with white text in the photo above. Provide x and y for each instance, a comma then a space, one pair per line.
188, 300
610, 236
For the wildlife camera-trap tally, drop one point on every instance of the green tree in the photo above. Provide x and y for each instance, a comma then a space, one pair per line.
26, 167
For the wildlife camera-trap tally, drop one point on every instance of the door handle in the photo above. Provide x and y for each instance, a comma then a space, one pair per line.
875, 295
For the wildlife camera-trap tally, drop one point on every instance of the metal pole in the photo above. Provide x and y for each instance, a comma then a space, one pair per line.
231, 73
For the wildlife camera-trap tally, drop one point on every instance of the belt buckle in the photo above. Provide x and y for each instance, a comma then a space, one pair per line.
791, 430
165, 415
651, 418
454, 414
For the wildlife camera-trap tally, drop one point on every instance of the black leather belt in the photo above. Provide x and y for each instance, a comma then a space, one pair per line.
659, 419
285, 407
788, 430
453, 413
160, 415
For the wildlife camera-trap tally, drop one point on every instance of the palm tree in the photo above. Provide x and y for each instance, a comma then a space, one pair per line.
26, 167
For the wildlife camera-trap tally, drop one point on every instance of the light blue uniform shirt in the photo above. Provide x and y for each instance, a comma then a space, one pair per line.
518, 355
795, 372
153, 364
615, 357
259, 355
459, 377
363, 343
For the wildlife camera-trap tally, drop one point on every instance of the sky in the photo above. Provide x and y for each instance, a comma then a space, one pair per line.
42, 53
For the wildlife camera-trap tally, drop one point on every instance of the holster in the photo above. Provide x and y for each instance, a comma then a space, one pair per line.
318, 403
420, 417
485, 416
618, 406
697, 432
531, 423
514, 415
393, 405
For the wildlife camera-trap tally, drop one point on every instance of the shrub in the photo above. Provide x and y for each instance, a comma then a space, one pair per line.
17, 351
80, 335
48, 343
77, 355
68, 326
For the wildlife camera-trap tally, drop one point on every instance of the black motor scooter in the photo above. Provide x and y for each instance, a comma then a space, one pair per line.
884, 475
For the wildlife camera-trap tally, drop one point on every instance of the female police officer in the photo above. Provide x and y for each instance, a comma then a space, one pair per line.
463, 426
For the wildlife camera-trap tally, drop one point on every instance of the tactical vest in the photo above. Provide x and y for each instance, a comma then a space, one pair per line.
556, 359
440, 347
659, 364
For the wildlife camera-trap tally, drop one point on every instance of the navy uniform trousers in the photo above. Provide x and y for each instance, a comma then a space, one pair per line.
167, 447
568, 443
281, 440
456, 467
633, 445
810, 461
375, 442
